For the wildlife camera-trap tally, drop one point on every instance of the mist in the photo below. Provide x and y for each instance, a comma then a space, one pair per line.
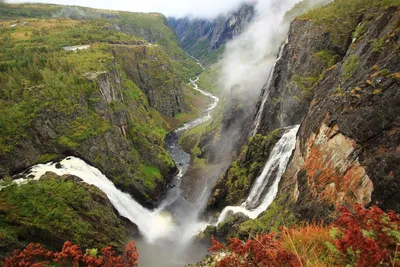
174, 8
248, 59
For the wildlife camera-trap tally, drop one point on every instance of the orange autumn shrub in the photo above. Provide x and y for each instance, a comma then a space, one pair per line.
35, 255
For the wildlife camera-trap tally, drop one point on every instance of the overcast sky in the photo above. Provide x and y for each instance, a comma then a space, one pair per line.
178, 8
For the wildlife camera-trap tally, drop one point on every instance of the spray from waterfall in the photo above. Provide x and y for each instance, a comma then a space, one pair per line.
265, 186
249, 57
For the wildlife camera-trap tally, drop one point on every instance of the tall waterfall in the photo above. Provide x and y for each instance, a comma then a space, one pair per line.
267, 89
261, 196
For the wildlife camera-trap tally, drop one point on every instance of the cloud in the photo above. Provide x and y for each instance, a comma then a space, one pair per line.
178, 8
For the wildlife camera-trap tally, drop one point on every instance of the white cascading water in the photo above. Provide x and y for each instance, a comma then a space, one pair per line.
207, 115
267, 89
260, 196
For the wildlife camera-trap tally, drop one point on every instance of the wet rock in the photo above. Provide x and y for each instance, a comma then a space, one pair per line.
58, 165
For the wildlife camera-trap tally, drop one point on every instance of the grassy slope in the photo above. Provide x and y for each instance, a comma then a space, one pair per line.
38, 76
341, 16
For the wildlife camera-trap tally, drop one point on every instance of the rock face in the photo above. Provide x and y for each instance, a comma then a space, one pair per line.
151, 69
199, 37
233, 187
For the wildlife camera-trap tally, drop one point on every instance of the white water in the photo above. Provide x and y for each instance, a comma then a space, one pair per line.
76, 47
260, 196
198, 62
267, 89
207, 116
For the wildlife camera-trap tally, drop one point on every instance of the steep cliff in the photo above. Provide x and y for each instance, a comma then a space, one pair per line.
347, 150
338, 78
201, 37
151, 69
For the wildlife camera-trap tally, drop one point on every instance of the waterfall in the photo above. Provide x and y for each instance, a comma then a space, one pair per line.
267, 89
261, 196
152, 224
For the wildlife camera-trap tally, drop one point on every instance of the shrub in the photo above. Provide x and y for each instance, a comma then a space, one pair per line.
36, 255
350, 67
368, 237
265, 250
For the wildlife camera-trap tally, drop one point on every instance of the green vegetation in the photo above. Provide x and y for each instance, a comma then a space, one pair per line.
151, 174
326, 60
274, 217
190, 141
209, 79
154, 28
55, 209
360, 30
341, 17
200, 49
299, 8
350, 67
242, 173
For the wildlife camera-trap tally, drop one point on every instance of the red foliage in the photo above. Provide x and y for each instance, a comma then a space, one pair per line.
216, 246
265, 250
131, 254
369, 236
34, 255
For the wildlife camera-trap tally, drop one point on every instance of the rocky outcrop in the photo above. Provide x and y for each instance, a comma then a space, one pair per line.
200, 37
347, 149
